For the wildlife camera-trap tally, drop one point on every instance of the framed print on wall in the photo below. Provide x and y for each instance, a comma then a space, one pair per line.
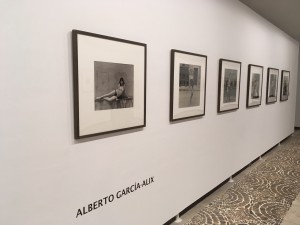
285, 83
254, 86
109, 84
188, 84
272, 85
229, 85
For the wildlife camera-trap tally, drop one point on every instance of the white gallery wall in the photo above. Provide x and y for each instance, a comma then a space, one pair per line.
47, 176
297, 121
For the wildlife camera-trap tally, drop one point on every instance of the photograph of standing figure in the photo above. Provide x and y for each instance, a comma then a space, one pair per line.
189, 85
229, 85
285, 86
285, 82
273, 82
254, 85
230, 82
272, 85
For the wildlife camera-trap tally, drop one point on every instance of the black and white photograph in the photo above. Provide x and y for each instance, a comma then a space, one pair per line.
254, 87
188, 83
272, 85
285, 83
109, 84
113, 85
229, 85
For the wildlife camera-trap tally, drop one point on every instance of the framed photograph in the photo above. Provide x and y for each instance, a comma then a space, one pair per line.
229, 85
254, 87
272, 85
285, 83
109, 84
188, 84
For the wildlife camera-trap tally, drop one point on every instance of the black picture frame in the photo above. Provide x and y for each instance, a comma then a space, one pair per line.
272, 85
254, 85
109, 84
187, 85
229, 85
285, 85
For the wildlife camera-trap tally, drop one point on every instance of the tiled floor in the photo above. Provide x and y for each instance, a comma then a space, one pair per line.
262, 194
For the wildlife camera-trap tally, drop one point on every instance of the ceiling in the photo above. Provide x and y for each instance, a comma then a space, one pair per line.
285, 14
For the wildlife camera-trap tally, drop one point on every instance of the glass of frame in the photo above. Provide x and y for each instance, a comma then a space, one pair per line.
229, 85
285, 83
109, 84
254, 86
188, 84
272, 85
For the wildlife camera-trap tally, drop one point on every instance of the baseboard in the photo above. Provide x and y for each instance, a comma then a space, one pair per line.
210, 192
196, 202
225, 181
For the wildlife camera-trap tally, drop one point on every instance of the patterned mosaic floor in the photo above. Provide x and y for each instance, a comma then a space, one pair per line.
263, 196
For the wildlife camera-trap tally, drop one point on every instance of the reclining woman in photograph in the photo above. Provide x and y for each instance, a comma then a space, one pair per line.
119, 92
